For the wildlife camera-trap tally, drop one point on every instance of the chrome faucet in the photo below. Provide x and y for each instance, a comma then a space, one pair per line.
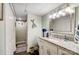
65, 37
76, 40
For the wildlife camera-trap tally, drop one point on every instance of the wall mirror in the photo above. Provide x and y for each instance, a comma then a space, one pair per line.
63, 22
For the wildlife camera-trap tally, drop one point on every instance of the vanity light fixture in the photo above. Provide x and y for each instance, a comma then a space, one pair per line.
58, 12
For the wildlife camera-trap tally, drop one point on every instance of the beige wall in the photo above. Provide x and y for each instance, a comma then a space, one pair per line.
2, 41
33, 33
7, 31
45, 21
9, 24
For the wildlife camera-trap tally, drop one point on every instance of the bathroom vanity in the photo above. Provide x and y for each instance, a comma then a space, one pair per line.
64, 26
56, 46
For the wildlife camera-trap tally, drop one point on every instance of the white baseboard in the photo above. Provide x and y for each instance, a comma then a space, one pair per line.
20, 42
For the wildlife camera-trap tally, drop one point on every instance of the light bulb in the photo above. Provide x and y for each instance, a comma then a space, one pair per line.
53, 17
50, 16
57, 15
54, 14
69, 10
72, 11
62, 13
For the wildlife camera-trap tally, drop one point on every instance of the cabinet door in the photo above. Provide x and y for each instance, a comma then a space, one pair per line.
50, 48
42, 48
40, 43
46, 48
53, 49
62, 51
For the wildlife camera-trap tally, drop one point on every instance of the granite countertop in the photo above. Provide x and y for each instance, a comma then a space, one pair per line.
70, 45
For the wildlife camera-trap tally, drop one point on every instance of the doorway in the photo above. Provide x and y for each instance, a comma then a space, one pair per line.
21, 36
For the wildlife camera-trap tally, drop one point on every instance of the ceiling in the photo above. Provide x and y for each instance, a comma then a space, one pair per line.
34, 8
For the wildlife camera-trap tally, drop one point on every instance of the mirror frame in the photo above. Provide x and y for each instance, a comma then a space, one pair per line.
1, 10
71, 29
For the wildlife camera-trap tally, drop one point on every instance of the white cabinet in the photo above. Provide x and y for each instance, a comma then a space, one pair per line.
51, 48
47, 48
